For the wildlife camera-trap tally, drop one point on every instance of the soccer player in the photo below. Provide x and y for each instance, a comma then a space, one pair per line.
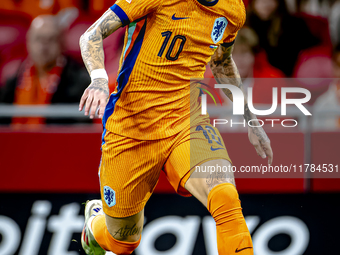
153, 122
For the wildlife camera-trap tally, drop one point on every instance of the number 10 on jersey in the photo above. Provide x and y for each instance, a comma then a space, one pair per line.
167, 36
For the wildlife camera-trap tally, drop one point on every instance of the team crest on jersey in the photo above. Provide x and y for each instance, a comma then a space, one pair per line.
109, 196
218, 29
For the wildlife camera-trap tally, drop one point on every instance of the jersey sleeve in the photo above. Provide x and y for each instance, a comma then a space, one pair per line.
236, 21
229, 40
131, 10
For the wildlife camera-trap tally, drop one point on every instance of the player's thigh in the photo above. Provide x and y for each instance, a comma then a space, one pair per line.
129, 172
208, 175
200, 146
126, 229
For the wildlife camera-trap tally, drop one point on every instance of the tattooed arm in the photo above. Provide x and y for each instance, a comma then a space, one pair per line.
91, 45
225, 72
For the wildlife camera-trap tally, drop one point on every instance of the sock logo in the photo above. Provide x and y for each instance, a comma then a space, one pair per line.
109, 196
239, 250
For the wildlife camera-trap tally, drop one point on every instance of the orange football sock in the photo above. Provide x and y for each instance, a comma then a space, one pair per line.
107, 242
233, 236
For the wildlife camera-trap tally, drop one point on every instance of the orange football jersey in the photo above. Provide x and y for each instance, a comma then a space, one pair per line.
167, 43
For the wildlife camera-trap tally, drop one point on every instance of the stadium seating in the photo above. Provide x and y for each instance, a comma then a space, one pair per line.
12, 46
315, 62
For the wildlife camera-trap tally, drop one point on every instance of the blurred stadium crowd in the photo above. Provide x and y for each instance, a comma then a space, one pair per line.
40, 61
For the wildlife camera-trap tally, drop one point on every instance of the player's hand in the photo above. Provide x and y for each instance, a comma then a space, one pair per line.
95, 96
261, 142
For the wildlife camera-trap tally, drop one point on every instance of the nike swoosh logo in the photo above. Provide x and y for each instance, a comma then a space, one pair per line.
238, 250
215, 149
178, 18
